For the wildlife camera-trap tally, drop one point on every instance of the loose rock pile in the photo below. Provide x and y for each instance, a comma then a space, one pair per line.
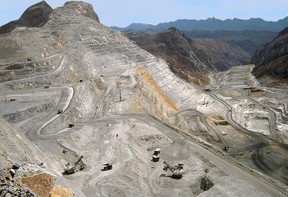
10, 187
206, 183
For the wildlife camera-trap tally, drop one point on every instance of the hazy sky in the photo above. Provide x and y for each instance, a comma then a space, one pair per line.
124, 12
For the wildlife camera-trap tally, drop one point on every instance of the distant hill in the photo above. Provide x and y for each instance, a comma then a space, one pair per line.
260, 37
272, 58
135, 26
214, 24
230, 48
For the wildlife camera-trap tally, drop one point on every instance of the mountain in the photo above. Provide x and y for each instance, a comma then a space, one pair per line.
211, 24
272, 58
225, 54
35, 16
217, 51
135, 26
179, 50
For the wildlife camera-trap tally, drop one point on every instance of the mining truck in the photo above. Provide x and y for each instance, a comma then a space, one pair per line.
70, 169
177, 171
156, 155
106, 166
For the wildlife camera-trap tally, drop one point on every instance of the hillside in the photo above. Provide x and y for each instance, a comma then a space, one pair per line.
272, 58
185, 51
230, 48
212, 24
179, 50
225, 54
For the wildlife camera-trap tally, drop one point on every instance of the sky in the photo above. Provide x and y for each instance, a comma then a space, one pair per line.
121, 13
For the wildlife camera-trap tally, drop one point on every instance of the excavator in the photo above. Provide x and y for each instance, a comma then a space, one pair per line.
70, 169
177, 171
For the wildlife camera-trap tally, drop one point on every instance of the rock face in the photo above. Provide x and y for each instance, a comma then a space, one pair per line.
179, 50
35, 16
272, 58
82, 8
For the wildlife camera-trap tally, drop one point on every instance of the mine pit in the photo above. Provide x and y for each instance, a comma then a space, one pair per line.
93, 114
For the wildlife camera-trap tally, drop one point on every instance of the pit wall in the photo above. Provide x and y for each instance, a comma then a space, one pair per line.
153, 99
163, 94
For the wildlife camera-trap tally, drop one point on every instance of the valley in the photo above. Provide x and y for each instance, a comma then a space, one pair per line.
87, 90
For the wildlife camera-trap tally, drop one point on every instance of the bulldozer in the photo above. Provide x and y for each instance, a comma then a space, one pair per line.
177, 171
70, 169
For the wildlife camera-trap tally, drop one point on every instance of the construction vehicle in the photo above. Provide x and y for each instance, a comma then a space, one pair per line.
226, 148
70, 169
106, 166
156, 155
177, 171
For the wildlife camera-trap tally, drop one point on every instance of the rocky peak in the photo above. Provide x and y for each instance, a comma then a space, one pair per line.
83, 8
174, 32
184, 45
35, 16
75, 8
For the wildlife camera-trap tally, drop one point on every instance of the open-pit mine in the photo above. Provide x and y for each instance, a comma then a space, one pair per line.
86, 112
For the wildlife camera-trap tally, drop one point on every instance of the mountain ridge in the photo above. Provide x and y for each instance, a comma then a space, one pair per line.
213, 24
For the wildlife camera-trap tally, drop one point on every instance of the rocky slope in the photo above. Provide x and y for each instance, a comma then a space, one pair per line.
272, 58
35, 16
179, 50
225, 54
230, 48
185, 52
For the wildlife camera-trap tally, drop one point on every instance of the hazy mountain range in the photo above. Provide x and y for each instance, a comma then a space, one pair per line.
213, 24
